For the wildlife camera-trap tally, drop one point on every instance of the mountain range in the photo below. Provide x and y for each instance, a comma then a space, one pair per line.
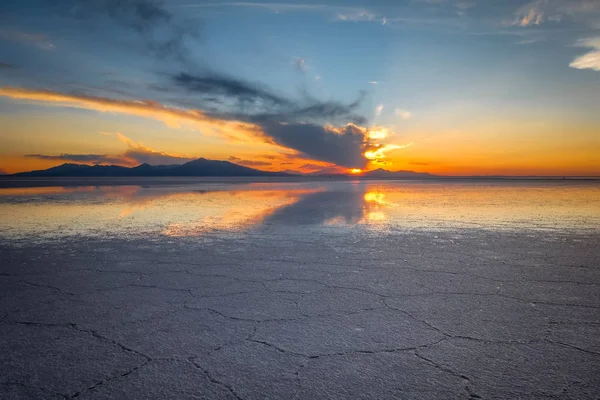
199, 167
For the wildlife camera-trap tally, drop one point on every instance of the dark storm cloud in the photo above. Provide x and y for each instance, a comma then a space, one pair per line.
227, 87
341, 148
267, 105
317, 111
295, 124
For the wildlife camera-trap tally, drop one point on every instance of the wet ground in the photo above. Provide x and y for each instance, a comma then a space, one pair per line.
305, 291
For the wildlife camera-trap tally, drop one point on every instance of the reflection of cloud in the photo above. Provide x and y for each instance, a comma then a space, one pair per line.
591, 59
322, 207
36, 191
255, 208
335, 207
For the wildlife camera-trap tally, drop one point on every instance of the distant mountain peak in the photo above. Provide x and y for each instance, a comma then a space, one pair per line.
199, 167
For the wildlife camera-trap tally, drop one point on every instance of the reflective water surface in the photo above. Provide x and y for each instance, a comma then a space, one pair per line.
196, 209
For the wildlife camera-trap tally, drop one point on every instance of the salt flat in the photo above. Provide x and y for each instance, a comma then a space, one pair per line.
308, 301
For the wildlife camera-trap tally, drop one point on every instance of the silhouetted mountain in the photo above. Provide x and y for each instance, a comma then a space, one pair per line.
199, 167
383, 173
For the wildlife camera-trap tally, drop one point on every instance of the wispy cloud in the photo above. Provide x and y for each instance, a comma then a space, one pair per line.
135, 154
360, 15
300, 64
162, 33
170, 116
402, 113
379, 110
79, 158
379, 152
538, 12
38, 40
531, 13
591, 59
274, 7
373, 82
249, 163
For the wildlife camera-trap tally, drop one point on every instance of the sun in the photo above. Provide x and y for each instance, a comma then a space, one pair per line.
355, 171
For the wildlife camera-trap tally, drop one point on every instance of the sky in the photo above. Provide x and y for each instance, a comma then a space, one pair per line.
450, 87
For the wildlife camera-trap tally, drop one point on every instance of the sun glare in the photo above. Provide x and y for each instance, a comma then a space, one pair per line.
356, 171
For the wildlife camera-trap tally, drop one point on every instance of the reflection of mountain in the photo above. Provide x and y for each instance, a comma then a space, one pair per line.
199, 167
383, 173
321, 207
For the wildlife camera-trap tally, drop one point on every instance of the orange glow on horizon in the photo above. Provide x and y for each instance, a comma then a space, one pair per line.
356, 171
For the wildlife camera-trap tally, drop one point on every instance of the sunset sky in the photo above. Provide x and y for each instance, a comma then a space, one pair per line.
454, 87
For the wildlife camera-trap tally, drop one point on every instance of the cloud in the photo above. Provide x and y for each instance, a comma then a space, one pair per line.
255, 103
249, 163
162, 33
378, 110
4, 65
530, 14
314, 111
31, 39
83, 158
135, 154
290, 127
274, 7
343, 147
591, 59
361, 15
379, 152
402, 113
170, 116
300, 64
227, 87
373, 82
538, 12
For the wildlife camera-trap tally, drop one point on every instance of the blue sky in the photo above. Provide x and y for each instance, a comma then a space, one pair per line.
420, 68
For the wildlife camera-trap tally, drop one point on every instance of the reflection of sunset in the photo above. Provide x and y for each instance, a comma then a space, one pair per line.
197, 209
255, 207
377, 197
